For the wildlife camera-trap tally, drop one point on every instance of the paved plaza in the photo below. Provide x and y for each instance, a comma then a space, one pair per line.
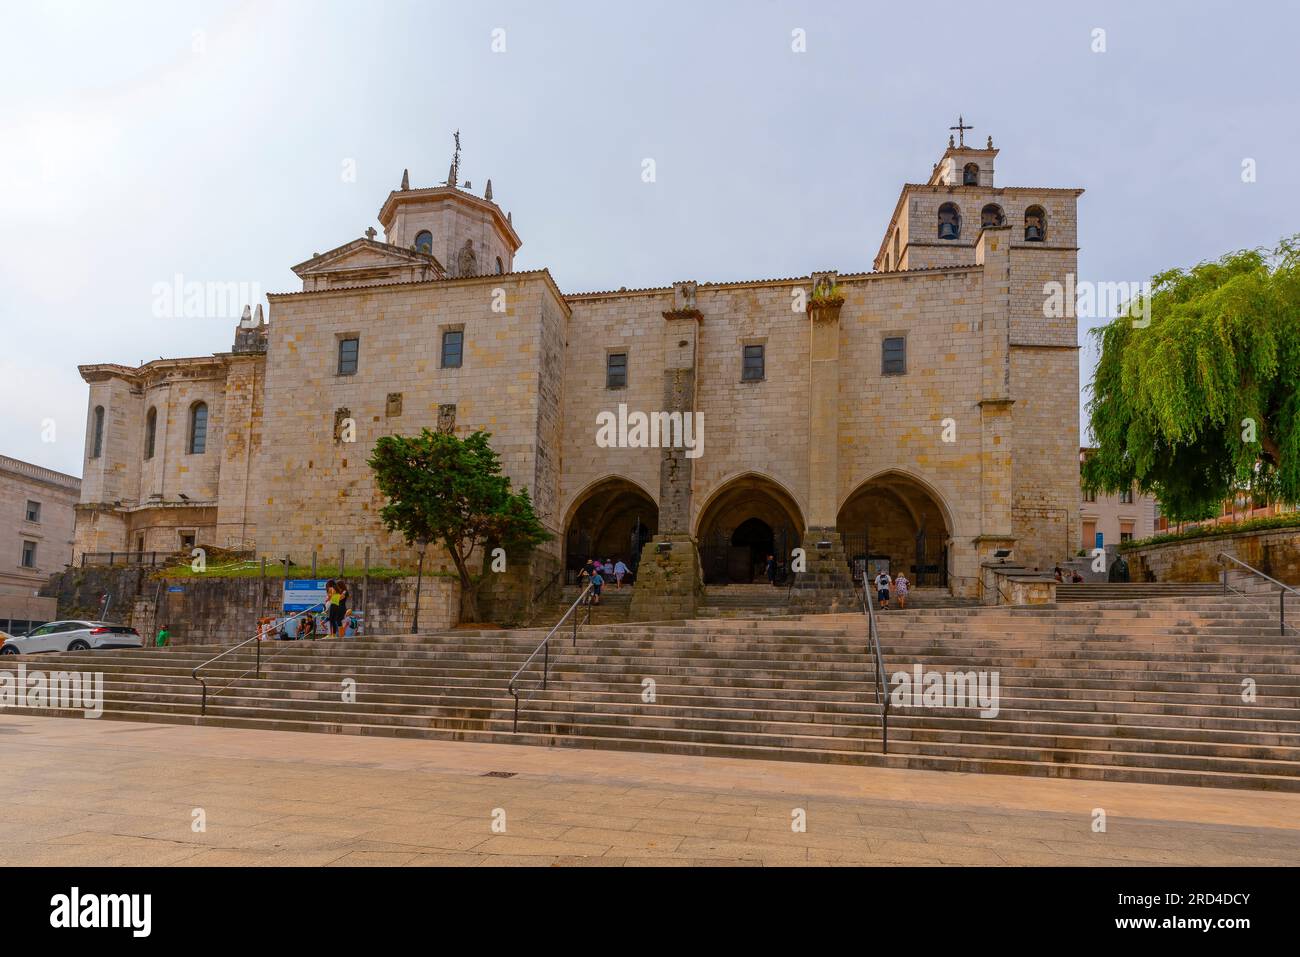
84, 792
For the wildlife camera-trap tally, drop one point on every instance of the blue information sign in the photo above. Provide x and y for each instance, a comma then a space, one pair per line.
300, 594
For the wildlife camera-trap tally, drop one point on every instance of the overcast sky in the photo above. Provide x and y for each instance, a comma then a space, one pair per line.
139, 141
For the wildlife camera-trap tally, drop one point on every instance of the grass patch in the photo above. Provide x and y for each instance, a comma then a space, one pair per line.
276, 570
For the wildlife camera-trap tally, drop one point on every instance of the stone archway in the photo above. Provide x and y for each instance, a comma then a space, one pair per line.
612, 518
743, 522
897, 521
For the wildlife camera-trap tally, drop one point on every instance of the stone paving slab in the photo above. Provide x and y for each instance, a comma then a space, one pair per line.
80, 792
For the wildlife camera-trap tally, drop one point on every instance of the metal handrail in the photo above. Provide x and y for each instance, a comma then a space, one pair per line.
545, 650
548, 586
1283, 588
261, 632
881, 684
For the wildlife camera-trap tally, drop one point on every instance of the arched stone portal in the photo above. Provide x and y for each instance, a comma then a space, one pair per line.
896, 521
747, 519
613, 519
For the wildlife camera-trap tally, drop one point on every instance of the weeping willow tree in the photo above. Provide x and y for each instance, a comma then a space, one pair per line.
1203, 401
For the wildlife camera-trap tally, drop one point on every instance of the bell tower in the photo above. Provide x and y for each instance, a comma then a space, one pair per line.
467, 233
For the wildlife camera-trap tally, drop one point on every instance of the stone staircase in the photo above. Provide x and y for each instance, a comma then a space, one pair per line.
1141, 691
615, 606
755, 600
1135, 591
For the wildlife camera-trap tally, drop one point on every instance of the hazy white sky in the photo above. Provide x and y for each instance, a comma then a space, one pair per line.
142, 140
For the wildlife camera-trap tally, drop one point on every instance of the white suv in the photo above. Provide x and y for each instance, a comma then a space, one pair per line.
72, 636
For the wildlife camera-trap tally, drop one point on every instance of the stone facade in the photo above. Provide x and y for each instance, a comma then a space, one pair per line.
36, 531
1115, 517
147, 485
931, 454
36, 524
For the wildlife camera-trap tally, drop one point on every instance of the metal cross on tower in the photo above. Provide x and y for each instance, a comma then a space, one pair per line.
453, 175
961, 129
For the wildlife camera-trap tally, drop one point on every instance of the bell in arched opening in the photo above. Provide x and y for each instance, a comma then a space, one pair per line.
991, 215
949, 221
1035, 225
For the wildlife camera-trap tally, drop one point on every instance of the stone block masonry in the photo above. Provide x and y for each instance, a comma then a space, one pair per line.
201, 610
1274, 551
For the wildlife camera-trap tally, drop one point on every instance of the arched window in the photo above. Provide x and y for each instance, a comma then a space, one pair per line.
992, 215
150, 431
424, 241
949, 221
896, 258
501, 267
97, 448
198, 443
1035, 225
970, 175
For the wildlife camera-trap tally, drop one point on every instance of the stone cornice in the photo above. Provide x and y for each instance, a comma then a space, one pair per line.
137, 375
38, 473
673, 315
825, 310
319, 262
486, 279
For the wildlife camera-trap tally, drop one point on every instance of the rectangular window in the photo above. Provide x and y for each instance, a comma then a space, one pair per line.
1126, 531
29, 554
616, 370
1089, 495
893, 356
752, 369
453, 348
33, 511
349, 349
1126, 497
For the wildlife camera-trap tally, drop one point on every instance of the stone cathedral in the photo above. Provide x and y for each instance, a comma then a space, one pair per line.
920, 415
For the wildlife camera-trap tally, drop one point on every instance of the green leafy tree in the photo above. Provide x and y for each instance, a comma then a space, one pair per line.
1203, 401
449, 490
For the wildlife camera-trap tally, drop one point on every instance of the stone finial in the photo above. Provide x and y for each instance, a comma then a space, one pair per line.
510, 217
406, 179
487, 193
250, 334
951, 142
826, 297
370, 233
451, 175
990, 146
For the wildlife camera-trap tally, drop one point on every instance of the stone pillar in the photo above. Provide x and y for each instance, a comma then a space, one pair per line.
826, 582
668, 583
993, 252
823, 402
